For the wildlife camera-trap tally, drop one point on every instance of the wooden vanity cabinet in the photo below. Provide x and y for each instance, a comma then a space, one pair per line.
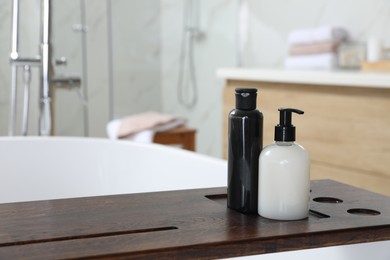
345, 129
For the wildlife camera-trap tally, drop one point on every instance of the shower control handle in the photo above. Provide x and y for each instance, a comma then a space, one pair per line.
62, 61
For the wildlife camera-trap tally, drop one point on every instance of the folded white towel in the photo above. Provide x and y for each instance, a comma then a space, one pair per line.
319, 34
142, 127
324, 61
112, 129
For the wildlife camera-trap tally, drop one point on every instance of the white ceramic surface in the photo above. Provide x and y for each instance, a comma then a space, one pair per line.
336, 78
36, 168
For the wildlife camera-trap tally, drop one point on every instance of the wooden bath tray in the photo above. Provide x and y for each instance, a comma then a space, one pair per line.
185, 224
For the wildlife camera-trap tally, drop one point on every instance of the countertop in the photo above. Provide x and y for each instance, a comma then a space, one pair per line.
187, 224
336, 78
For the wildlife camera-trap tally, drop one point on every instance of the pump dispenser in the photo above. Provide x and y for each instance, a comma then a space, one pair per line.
245, 128
285, 131
284, 174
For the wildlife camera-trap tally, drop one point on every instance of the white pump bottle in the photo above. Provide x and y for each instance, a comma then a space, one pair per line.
284, 174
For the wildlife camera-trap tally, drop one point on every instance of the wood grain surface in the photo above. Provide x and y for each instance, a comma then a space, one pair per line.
188, 224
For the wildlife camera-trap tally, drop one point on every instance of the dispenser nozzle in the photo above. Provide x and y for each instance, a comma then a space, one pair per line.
285, 130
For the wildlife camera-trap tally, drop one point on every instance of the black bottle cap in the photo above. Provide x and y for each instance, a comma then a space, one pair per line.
246, 98
285, 131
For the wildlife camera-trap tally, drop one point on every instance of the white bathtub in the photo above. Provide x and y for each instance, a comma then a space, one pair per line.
37, 168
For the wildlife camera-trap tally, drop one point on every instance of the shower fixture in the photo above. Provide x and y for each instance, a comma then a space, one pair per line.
187, 83
47, 79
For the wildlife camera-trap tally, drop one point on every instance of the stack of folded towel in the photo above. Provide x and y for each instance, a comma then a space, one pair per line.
142, 127
314, 48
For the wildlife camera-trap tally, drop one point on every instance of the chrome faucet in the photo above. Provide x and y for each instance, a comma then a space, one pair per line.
47, 79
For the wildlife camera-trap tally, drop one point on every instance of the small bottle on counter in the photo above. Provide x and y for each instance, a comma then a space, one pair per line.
245, 131
284, 174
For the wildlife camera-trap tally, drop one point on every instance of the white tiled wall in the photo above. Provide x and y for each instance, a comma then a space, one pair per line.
215, 49
270, 22
146, 51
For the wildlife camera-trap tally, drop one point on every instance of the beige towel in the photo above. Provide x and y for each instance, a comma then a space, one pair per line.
141, 127
313, 48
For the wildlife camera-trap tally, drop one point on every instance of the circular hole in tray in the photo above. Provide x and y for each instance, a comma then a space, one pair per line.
328, 200
369, 212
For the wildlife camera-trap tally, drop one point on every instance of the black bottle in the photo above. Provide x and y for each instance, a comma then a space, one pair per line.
245, 144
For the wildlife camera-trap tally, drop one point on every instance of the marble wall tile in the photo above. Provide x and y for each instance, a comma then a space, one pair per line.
215, 49
271, 21
66, 41
5, 69
28, 33
136, 55
97, 67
